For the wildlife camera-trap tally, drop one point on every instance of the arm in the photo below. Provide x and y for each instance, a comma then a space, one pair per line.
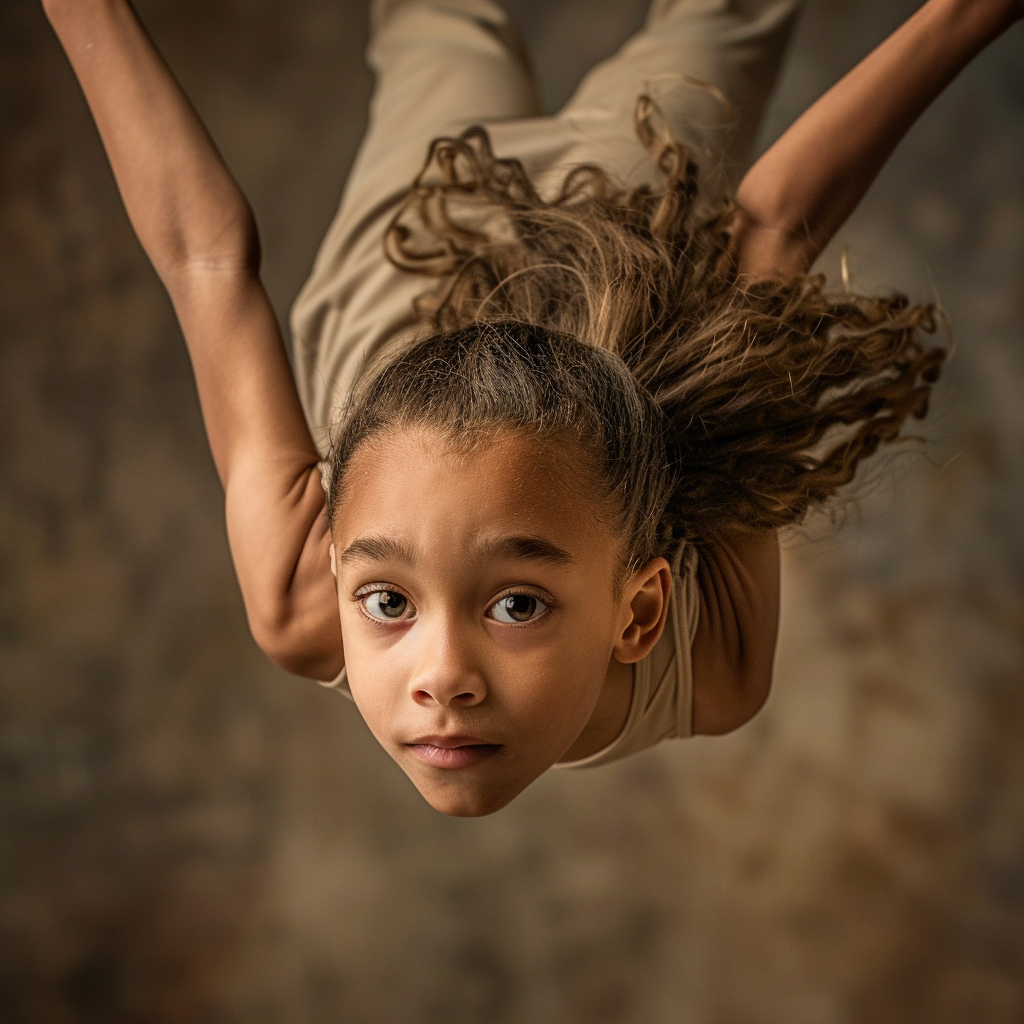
795, 198
790, 204
200, 235
734, 648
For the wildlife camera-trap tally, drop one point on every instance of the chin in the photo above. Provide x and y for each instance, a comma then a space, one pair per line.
466, 801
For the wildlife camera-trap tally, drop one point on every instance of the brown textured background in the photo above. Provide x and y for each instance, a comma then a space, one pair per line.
187, 834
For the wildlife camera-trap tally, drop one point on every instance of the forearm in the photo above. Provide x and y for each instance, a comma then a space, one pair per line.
183, 203
794, 199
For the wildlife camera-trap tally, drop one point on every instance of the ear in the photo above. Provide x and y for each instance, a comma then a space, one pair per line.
334, 562
643, 611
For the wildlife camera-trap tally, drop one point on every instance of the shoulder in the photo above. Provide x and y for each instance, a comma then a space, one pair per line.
737, 584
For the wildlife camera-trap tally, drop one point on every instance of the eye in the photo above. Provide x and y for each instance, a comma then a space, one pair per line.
517, 608
385, 605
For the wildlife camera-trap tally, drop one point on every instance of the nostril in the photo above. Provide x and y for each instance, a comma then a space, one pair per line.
445, 698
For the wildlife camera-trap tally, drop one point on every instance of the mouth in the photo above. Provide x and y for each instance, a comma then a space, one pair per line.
452, 751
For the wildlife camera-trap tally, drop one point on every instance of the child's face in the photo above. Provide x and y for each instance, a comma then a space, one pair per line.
478, 610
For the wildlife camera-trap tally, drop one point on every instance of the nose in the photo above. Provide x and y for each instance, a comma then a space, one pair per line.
447, 675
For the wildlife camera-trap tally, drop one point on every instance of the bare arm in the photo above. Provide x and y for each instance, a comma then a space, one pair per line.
200, 235
794, 199
790, 204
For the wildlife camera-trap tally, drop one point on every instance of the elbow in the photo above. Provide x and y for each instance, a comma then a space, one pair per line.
274, 638
239, 250
204, 247
767, 248
298, 647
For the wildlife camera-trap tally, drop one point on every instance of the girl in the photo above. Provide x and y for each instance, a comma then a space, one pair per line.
551, 398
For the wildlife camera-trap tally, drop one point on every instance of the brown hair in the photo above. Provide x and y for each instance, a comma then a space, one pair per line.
706, 400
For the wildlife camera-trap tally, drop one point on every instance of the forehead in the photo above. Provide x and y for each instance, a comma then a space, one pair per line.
514, 481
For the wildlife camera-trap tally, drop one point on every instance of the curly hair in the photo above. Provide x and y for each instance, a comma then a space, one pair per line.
766, 394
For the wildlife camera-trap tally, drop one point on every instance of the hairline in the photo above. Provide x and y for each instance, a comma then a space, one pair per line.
582, 475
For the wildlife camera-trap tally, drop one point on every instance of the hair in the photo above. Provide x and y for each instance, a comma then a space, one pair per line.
702, 400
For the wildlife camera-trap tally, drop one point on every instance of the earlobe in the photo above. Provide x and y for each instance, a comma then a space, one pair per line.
644, 611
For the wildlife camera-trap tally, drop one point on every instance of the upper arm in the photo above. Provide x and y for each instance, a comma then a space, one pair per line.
734, 646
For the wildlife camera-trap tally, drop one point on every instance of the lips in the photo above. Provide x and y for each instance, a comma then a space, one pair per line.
452, 751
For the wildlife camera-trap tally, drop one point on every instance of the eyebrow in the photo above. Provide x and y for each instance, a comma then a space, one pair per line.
378, 549
382, 549
534, 549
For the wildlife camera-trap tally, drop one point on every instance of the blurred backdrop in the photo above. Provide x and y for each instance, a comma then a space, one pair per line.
188, 834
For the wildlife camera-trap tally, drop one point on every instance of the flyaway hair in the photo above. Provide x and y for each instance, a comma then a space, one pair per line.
768, 394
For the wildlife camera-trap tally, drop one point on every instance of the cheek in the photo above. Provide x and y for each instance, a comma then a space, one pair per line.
553, 692
375, 675
376, 702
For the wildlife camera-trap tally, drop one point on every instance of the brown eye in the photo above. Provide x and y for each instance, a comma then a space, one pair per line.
385, 605
515, 608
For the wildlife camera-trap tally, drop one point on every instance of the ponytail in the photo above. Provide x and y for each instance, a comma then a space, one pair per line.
770, 393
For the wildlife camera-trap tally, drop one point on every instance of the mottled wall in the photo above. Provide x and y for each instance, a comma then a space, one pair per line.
187, 834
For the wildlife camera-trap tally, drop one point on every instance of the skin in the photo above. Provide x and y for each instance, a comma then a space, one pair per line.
432, 529
200, 235
798, 195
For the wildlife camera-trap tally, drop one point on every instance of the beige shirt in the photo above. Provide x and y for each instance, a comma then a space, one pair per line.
662, 704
